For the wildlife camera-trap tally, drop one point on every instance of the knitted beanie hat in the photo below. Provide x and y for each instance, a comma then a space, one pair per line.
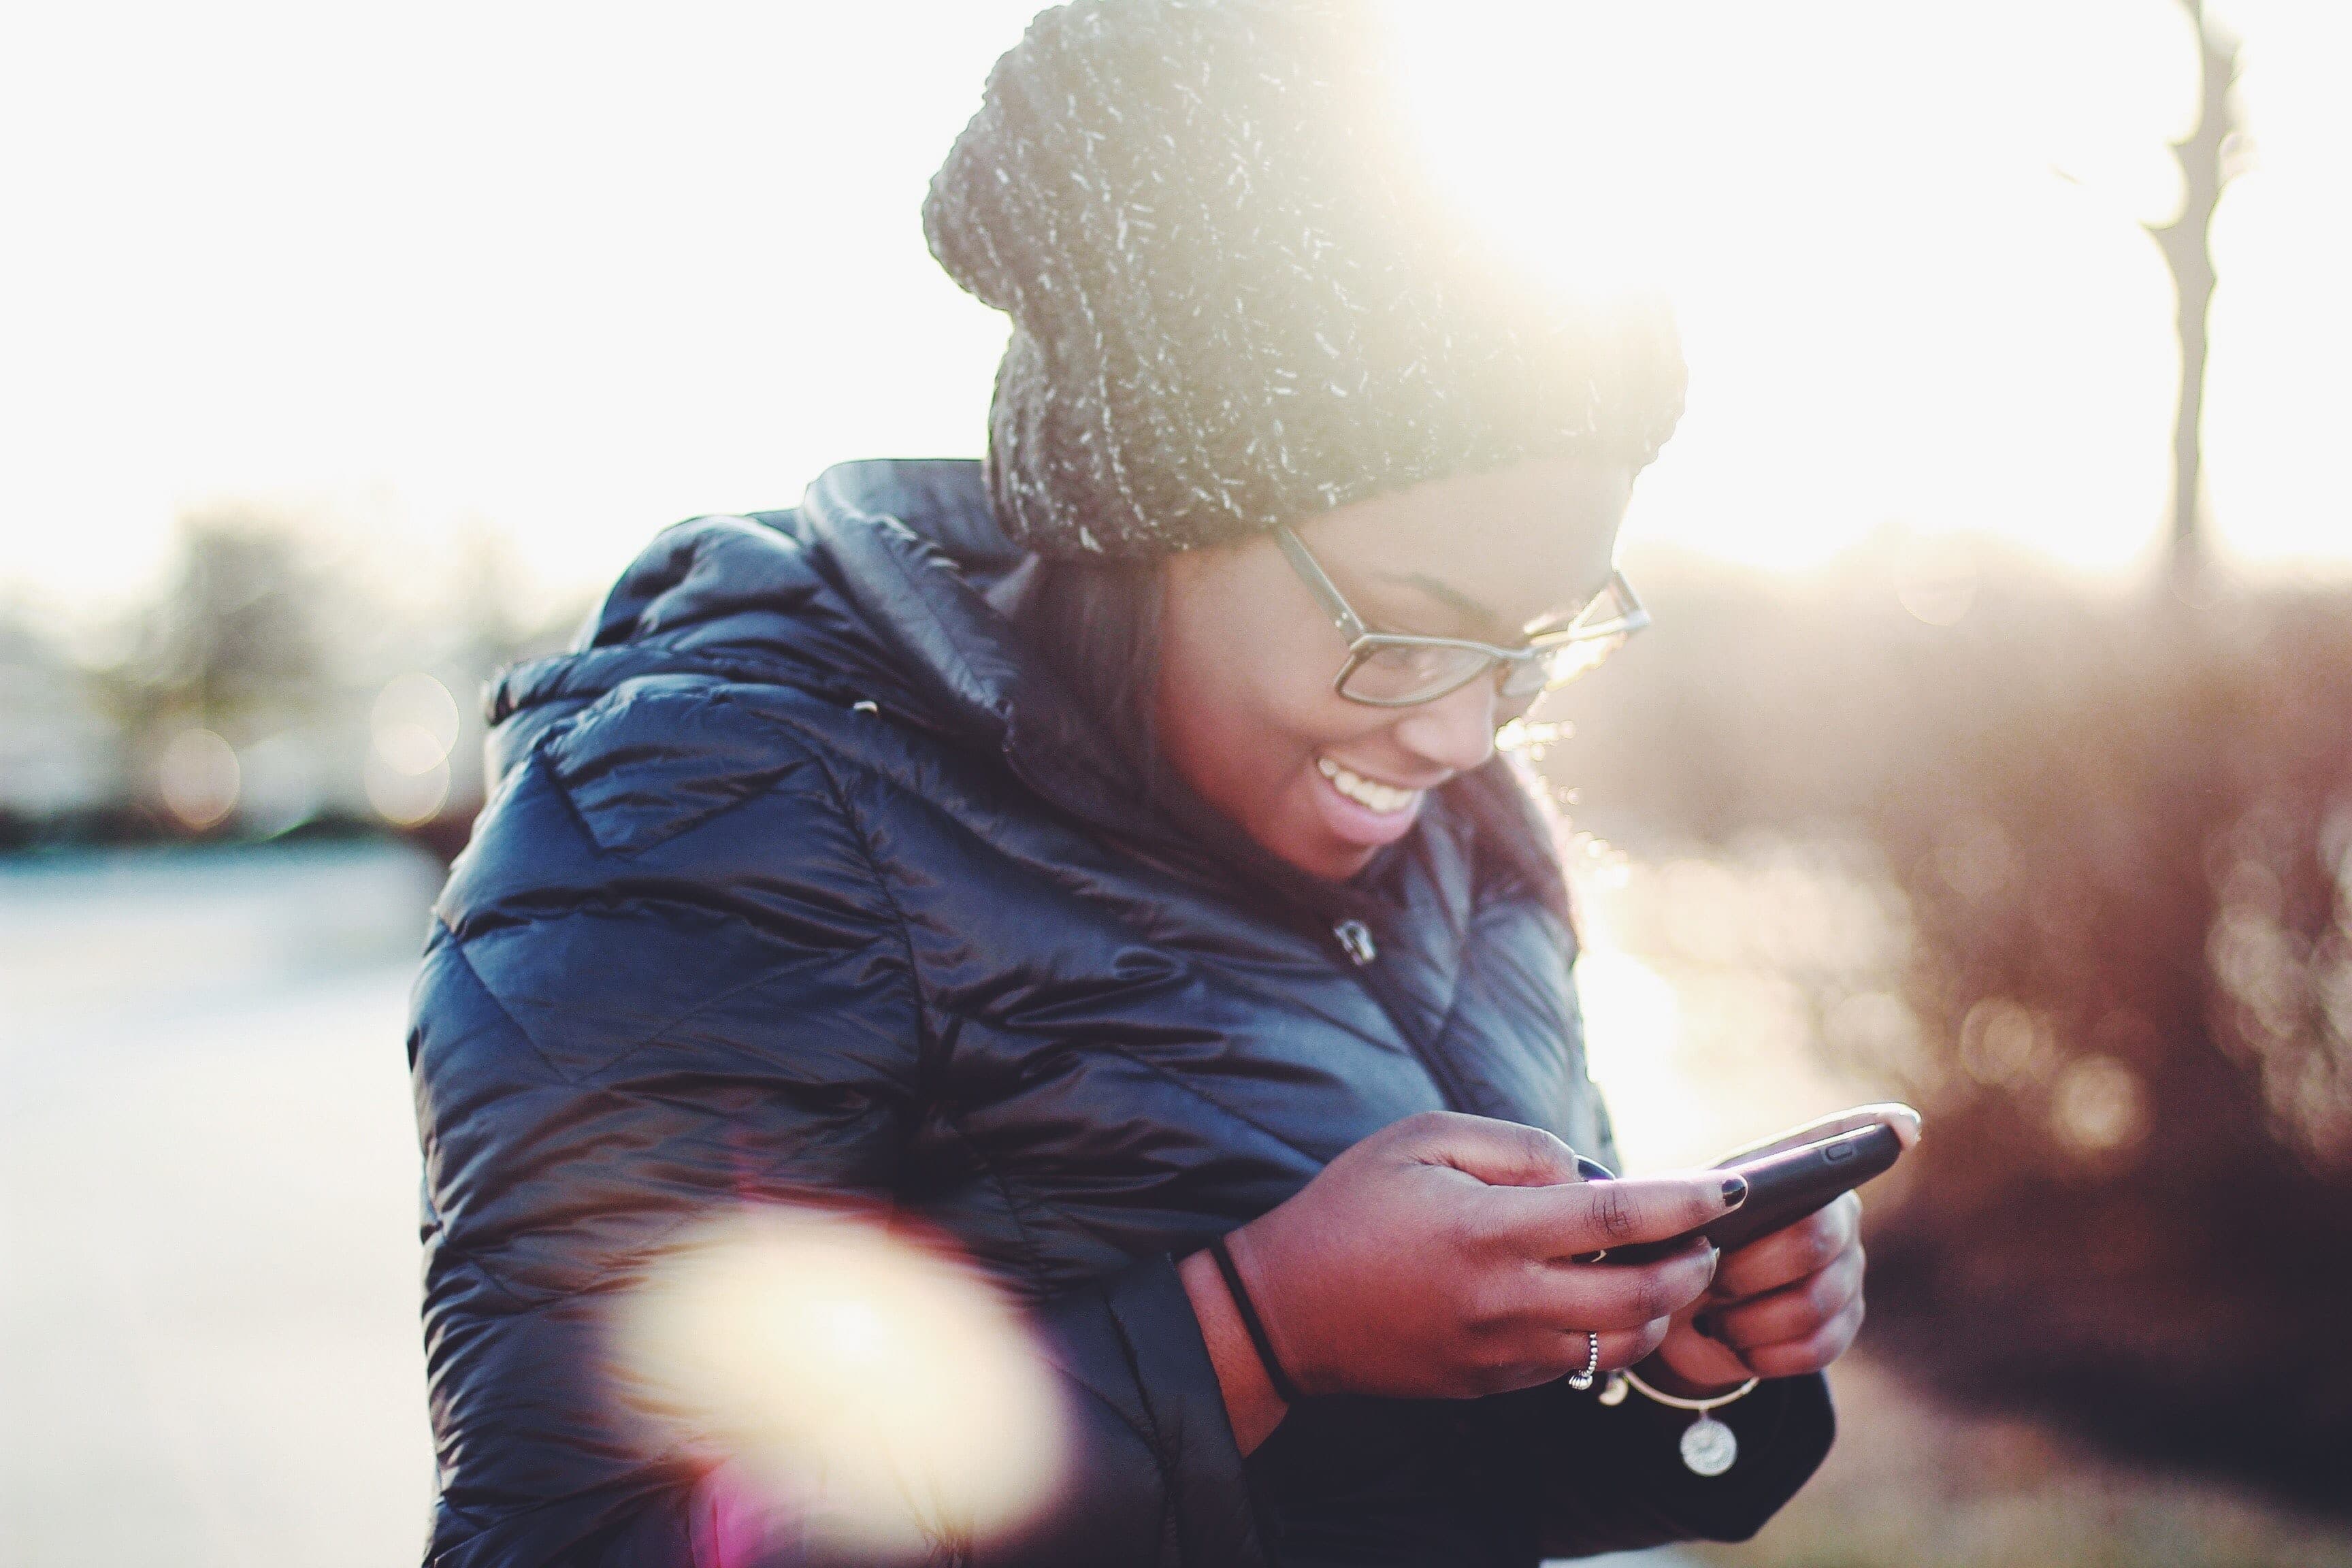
1237, 299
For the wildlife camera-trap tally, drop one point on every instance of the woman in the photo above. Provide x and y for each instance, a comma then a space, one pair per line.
1062, 855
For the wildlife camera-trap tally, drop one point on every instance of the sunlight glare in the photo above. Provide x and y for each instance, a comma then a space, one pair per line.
1632, 1023
618, 276
843, 1381
1904, 245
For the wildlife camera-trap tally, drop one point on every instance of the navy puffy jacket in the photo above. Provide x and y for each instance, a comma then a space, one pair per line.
799, 879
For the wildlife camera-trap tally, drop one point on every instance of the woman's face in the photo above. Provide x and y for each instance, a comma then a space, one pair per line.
1246, 711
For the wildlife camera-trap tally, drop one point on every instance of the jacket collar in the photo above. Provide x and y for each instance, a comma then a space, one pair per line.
877, 586
920, 550
916, 550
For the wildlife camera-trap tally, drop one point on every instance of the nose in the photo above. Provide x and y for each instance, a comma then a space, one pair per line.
1455, 732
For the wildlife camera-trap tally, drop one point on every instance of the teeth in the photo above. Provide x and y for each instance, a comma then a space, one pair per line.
1379, 797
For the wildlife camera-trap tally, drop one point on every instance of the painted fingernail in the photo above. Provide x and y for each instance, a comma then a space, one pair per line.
1734, 1191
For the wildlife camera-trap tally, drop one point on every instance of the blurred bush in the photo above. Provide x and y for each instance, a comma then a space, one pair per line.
277, 681
2123, 829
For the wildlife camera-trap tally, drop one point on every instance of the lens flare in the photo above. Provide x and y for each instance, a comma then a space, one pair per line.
415, 722
200, 778
839, 1382
2100, 1106
2003, 1043
402, 798
1935, 580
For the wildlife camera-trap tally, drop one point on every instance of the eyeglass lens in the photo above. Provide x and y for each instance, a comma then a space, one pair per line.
1410, 673
1406, 673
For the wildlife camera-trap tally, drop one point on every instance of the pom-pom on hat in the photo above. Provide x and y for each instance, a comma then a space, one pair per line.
1238, 298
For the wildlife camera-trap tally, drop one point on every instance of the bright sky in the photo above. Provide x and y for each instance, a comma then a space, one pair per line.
575, 272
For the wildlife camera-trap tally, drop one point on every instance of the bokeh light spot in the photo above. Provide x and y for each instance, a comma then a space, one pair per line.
840, 1380
1938, 580
415, 722
410, 749
200, 778
2001, 1042
405, 799
2099, 1106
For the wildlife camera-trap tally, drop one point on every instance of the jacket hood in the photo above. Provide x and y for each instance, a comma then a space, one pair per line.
876, 590
872, 587
873, 590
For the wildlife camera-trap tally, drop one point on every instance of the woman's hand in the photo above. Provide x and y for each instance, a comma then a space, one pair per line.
1436, 1260
1787, 1303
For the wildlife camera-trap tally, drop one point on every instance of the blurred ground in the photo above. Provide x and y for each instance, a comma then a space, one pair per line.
208, 1348
1915, 1482
208, 1345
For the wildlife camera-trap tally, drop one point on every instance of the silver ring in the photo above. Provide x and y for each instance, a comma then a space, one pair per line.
1580, 1381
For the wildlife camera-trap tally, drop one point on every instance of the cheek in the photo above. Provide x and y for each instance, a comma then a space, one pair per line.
1297, 704
1243, 729
1244, 704
1262, 686
1249, 734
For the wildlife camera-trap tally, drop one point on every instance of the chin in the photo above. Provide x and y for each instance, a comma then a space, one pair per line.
1304, 838
1332, 862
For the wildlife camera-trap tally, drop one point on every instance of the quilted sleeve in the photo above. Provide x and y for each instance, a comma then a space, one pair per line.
666, 980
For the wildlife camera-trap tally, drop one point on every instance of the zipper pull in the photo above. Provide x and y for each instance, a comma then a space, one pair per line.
1356, 940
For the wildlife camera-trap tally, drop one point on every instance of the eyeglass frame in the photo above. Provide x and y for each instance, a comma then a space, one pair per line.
1363, 642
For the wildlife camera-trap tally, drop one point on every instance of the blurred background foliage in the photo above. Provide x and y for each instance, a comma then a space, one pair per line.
2115, 833
269, 687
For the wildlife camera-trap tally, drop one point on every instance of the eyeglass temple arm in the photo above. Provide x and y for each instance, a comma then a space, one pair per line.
1318, 582
1632, 614
1632, 617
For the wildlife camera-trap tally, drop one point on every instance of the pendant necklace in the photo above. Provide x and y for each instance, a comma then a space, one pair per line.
1709, 1447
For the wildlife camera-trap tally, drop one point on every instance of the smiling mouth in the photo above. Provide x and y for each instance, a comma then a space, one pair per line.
1386, 799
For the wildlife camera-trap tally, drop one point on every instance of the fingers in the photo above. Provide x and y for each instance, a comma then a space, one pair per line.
1616, 1296
1901, 1118
1795, 1297
1788, 1255
1793, 1358
1534, 1327
1500, 1154
1625, 1347
1570, 1221
1700, 1362
1541, 1356
1792, 1314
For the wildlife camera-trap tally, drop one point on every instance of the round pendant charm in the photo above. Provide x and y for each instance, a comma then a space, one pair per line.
1614, 1392
1709, 1446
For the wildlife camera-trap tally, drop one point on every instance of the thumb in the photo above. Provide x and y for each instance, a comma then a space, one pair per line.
1499, 1154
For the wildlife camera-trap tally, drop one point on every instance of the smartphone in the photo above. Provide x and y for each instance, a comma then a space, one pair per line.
1782, 1188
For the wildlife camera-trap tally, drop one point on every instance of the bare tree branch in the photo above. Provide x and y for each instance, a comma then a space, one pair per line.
2185, 242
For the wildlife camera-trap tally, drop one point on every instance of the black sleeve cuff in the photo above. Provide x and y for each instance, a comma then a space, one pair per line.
1784, 1429
1612, 1477
1152, 1474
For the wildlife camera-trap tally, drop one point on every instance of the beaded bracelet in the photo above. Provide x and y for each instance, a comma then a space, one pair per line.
1709, 1447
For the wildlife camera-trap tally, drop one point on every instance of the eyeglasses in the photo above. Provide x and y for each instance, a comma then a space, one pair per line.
1391, 669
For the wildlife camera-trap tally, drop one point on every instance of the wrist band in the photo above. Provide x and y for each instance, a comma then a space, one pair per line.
1709, 1446
1284, 1389
1678, 1403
